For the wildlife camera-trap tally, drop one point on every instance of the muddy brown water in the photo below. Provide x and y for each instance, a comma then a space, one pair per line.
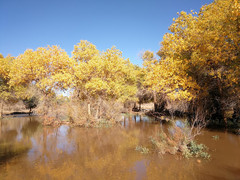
30, 151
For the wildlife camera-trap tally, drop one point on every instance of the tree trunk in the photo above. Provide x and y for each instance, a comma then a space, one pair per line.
1, 113
99, 108
158, 106
99, 116
236, 113
135, 105
216, 95
46, 105
30, 111
0, 127
155, 101
97, 112
89, 109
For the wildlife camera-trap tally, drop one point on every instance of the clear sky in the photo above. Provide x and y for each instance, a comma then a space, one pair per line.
131, 25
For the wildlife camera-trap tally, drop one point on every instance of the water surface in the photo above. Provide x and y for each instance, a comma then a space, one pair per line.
29, 150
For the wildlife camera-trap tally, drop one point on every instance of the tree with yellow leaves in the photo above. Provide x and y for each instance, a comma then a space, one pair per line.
46, 68
4, 88
8, 94
102, 76
200, 59
149, 63
84, 51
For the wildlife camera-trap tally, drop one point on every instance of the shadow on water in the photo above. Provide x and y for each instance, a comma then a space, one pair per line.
9, 151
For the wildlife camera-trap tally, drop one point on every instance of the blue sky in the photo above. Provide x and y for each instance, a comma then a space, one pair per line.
131, 25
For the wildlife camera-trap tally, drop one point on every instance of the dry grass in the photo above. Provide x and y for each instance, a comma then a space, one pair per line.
84, 113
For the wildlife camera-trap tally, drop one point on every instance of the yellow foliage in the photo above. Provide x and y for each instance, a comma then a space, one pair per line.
8, 93
84, 51
49, 68
107, 74
199, 48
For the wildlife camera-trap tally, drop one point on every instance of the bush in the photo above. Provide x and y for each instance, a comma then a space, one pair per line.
197, 150
178, 142
143, 150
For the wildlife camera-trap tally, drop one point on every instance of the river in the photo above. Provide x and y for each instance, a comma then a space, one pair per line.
29, 150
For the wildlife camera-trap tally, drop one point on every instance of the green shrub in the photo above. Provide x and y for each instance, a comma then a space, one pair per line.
197, 150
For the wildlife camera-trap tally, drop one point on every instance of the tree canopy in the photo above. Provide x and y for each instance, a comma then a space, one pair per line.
102, 74
199, 58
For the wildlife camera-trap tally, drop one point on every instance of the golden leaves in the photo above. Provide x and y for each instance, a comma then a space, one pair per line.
84, 51
198, 49
45, 67
106, 74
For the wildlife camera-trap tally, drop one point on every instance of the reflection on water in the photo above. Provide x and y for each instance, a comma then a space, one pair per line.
14, 137
30, 151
